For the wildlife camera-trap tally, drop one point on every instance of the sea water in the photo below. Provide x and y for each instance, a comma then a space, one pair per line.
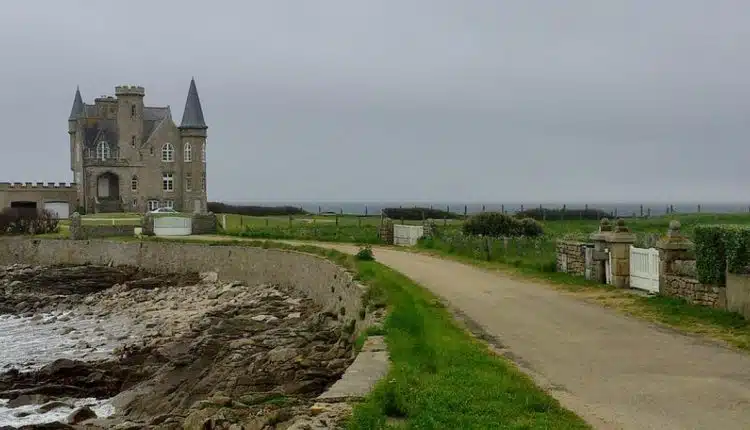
28, 343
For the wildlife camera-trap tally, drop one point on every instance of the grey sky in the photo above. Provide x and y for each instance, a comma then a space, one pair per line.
434, 100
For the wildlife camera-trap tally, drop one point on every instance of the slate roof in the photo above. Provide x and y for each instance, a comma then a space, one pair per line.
77, 109
192, 117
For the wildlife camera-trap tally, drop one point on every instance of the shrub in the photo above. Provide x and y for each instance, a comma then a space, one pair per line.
530, 228
498, 224
27, 221
737, 249
218, 207
418, 214
710, 254
365, 254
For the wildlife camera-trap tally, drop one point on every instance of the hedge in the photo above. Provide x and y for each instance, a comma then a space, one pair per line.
498, 224
418, 214
250, 210
721, 248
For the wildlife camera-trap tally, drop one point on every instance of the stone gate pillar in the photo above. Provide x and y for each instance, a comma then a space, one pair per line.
600, 256
672, 247
619, 243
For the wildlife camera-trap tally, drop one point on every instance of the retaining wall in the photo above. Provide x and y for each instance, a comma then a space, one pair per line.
331, 286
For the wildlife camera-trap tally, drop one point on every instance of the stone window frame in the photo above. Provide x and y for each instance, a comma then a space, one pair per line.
203, 152
167, 153
134, 183
188, 182
203, 181
167, 182
168, 203
188, 152
103, 151
152, 204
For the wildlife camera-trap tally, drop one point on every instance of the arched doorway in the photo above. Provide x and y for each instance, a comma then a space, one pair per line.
108, 186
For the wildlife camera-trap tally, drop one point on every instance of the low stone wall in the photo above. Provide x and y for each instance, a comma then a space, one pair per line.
329, 285
80, 231
571, 257
679, 280
205, 223
693, 291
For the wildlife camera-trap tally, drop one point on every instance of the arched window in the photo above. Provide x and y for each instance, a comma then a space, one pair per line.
134, 184
203, 152
188, 152
167, 152
102, 151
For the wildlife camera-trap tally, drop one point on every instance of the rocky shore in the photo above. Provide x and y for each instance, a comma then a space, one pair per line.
117, 347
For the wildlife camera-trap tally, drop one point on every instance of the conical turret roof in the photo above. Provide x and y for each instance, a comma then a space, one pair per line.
77, 108
192, 117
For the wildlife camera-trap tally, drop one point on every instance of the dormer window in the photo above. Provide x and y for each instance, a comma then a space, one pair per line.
167, 152
102, 151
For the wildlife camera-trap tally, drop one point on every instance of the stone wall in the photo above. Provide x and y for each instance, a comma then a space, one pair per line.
678, 276
571, 257
205, 223
79, 231
329, 285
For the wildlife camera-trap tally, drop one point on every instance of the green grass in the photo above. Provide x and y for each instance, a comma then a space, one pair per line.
441, 377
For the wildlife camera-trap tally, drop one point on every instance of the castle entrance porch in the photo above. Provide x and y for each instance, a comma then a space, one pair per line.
108, 186
108, 193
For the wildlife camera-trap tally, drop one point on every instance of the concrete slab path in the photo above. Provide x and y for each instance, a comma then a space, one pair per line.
614, 371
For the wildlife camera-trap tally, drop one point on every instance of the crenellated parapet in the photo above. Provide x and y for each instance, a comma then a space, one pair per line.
130, 90
36, 185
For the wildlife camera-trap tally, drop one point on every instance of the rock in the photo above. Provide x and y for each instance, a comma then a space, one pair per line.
282, 353
66, 330
27, 399
294, 315
52, 405
80, 414
209, 277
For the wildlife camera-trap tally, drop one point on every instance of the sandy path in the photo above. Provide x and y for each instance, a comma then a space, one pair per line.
615, 371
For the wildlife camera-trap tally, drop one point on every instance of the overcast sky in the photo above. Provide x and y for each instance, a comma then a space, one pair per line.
429, 100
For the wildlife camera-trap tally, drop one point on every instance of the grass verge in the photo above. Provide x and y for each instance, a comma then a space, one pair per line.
440, 377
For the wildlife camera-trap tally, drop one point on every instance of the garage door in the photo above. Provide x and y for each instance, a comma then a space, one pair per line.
62, 209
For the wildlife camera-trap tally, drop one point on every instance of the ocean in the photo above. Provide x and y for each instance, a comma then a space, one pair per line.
621, 209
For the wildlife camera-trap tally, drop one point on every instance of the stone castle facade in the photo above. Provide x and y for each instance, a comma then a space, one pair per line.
129, 157
125, 157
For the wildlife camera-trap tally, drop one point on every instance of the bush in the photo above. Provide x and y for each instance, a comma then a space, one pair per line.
530, 228
418, 214
27, 221
498, 224
365, 254
737, 249
224, 208
720, 249
710, 254
541, 214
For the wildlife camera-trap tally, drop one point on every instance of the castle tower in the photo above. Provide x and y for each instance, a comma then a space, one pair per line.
193, 140
129, 119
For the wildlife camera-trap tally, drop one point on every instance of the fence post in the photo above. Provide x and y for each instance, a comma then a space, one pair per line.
266, 222
290, 220
488, 248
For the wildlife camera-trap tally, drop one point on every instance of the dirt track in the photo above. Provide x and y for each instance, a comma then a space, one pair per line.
616, 372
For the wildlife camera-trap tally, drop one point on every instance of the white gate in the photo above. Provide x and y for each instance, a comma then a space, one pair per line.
61, 210
407, 234
644, 269
172, 226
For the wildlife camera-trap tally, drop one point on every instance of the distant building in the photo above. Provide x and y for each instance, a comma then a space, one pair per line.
126, 156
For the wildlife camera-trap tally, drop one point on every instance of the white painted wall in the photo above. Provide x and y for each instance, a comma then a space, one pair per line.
407, 235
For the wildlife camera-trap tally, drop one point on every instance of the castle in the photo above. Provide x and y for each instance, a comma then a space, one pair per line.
126, 157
